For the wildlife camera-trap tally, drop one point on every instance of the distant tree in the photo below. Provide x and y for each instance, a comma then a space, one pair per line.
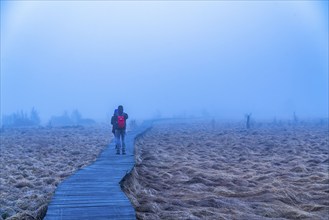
87, 122
34, 117
295, 118
21, 119
76, 117
63, 120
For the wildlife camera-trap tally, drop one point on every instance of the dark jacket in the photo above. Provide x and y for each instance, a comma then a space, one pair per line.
114, 121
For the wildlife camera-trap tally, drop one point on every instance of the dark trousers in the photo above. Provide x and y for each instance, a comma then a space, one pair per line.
120, 140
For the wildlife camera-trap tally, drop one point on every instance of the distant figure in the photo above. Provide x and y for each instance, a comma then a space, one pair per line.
113, 127
118, 121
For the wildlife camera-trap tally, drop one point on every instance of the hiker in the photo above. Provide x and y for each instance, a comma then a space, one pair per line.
118, 121
113, 127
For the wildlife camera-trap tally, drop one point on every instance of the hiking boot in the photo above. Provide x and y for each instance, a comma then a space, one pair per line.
118, 152
123, 152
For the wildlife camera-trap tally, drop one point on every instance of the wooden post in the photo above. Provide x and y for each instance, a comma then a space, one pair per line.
248, 116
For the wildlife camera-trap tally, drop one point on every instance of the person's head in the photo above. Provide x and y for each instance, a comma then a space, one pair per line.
120, 109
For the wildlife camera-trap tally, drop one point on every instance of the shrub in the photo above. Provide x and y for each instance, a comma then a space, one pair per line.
75, 119
21, 119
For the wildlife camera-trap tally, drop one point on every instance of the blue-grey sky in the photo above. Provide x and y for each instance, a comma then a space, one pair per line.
223, 58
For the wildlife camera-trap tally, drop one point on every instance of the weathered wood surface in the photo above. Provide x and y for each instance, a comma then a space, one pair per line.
94, 192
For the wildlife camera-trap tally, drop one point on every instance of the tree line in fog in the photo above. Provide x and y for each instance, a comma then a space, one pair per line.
74, 118
32, 118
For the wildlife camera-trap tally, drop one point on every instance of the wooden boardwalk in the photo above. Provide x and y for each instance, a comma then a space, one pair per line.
94, 192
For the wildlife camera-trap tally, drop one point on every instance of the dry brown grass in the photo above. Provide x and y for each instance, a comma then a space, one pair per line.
34, 161
192, 171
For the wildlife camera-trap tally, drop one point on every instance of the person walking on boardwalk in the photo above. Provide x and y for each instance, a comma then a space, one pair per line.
113, 127
119, 123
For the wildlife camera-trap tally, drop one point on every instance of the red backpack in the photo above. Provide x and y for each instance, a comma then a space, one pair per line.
121, 121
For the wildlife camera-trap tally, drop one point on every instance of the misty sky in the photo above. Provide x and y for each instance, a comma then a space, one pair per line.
170, 58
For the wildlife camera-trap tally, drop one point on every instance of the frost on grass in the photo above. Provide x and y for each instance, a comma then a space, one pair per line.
35, 160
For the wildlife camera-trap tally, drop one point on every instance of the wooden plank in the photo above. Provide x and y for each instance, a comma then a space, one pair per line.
94, 191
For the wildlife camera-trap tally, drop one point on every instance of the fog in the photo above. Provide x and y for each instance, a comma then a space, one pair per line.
165, 59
